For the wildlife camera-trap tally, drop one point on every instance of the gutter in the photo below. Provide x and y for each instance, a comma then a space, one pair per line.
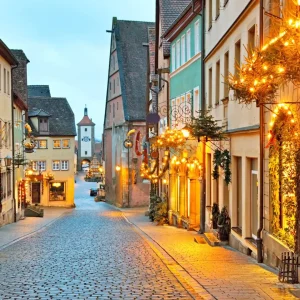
261, 154
203, 189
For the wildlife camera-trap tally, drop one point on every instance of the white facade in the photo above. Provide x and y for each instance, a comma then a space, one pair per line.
86, 141
230, 29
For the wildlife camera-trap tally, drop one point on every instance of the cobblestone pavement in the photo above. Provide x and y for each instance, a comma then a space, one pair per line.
223, 272
89, 253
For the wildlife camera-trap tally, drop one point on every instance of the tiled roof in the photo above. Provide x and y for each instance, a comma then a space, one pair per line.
35, 112
39, 91
61, 120
86, 121
132, 60
169, 12
19, 55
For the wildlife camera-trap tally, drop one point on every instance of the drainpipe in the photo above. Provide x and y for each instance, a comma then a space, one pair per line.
261, 161
13, 143
203, 188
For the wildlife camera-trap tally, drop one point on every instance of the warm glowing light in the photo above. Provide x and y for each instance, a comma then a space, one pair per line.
251, 89
276, 110
185, 133
271, 124
289, 112
56, 184
265, 67
280, 69
292, 121
164, 181
118, 168
269, 135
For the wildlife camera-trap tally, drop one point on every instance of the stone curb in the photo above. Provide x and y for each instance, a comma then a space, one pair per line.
196, 290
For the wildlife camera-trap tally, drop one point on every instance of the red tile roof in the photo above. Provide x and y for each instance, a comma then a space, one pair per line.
86, 121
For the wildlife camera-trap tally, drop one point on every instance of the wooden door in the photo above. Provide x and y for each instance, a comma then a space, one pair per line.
36, 192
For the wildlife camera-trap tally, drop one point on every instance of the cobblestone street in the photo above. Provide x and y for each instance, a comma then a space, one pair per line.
90, 253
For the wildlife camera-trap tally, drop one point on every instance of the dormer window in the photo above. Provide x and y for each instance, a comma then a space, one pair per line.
43, 125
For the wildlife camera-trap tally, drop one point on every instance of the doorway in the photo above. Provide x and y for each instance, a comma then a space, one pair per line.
36, 192
254, 203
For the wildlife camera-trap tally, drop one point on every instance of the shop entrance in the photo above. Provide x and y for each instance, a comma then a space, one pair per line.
36, 192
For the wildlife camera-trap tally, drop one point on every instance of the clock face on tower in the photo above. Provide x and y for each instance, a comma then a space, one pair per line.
85, 139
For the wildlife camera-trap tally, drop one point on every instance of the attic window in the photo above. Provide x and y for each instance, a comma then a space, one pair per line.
43, 125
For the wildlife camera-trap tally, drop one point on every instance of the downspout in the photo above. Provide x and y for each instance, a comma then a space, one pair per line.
203, 188
261, 153
13, 143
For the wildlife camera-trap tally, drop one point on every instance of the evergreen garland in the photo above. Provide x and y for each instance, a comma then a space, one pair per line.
223, 160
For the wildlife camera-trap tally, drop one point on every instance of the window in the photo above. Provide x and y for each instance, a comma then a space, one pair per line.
56, 144
226, 73
117, 105
43, 124
8, 83
196, 103
188, 44
113, 110
4, 77
3, 186
237, 56
178, 54
197, 37
66, 143
9, 183
251, 38
55, 165
217, 8
5, 134
183, 49
114, 86
217, 99
110, 85
42, 144
210, 88
57, 191
85, 152
85, 129
64, 165
239, 194
209, 14
173, 57
42, 165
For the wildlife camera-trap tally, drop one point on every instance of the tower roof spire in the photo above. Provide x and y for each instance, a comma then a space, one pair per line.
85, 111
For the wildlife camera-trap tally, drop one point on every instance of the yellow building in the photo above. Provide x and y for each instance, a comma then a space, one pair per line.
52, 170
7, 205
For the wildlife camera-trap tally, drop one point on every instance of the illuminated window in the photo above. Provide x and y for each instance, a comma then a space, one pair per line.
56, 144
57, 191
66, 143
42, 144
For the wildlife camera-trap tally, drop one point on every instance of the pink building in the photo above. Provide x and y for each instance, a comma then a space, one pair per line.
126, 111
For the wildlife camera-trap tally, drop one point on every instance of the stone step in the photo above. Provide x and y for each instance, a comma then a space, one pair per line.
32, 211
211, 239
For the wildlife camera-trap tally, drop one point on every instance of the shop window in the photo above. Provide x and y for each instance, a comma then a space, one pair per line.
57, 191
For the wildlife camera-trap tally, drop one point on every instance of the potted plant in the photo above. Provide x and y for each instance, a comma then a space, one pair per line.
224, 225
215, 212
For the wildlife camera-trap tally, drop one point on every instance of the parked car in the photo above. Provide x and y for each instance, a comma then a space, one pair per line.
93, 192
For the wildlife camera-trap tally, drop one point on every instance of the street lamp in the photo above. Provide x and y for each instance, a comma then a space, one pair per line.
118, 168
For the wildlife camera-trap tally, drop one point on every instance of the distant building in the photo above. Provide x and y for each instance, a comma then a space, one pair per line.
20, 105
7, 203
86, 140
53, 126
125, 111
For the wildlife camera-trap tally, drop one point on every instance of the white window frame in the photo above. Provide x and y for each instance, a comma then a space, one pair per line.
173, 57
64, 165
54, 144
55, 165
196, 106
197, 37
42, 164
188, 45
177, 54
183, 60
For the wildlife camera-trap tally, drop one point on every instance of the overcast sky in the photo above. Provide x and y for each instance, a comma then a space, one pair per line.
67, 45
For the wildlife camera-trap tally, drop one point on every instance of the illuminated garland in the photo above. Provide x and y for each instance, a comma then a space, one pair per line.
170, 138
266, 69
284, 145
